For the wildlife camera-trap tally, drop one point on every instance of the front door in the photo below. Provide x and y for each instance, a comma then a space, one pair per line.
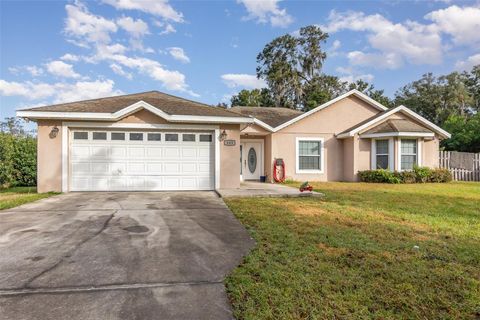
251, 160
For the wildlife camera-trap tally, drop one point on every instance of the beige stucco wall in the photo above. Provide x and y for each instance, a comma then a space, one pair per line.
230, 158
430, 152
50, 153
253, 129
49, 157
324, 124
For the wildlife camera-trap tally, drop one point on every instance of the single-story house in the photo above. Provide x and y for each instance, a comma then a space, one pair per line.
155, 141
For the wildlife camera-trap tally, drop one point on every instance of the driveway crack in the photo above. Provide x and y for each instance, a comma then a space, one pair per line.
70, 252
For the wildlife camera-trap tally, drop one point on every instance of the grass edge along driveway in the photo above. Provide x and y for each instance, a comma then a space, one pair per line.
365, 251
16, 196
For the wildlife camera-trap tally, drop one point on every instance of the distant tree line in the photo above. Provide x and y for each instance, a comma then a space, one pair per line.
291, 65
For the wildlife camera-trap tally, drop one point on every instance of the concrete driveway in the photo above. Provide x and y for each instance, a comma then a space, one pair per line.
152, 255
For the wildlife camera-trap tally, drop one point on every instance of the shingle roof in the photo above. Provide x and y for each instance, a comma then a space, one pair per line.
272, 116
162, 101
397, 125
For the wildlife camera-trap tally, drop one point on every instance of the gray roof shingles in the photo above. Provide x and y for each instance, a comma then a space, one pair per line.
272, 116
167, 103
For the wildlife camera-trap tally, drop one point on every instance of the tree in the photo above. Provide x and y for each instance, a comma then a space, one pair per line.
320, 90
438, 98
465, 133
13, 126
289, 64
253, 98
369, 90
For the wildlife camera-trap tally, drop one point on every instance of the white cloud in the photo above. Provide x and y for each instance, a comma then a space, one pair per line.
70, 57
160, 8
267, 11
396, 42
350, 75
382, 61
463, 24
119, 70
469, 63
34, 71
61, 69
167, 27
249, 81
136, 28
60, 92
178, 54
83, 25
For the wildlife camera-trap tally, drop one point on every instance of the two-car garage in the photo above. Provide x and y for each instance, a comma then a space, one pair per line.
136, 160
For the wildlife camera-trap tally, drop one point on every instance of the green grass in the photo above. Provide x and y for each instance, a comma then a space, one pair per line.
366, 251
13, 197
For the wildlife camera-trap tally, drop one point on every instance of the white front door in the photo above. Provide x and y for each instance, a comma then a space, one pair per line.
251, 160
103, 160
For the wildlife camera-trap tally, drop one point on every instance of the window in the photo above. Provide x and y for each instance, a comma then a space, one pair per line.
99, 136
171, 137
382, 155
188, 137
309, 155
408, 154
80, 135
205, 138
154, 137
136, 136
118, 136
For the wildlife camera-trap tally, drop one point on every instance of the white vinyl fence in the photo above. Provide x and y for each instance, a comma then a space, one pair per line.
461, 171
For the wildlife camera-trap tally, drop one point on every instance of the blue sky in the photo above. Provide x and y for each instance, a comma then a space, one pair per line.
53, 51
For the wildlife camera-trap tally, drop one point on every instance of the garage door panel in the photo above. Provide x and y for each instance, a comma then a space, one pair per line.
141, 165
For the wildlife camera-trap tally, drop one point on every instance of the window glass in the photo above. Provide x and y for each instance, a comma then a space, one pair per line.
309, 155
205, 138
171, 137
408, 154
188, 137
99, 136
80, 135
136, 136
382, 154
118, 136
154, 137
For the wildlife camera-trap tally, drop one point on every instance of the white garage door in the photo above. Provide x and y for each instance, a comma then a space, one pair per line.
136, 160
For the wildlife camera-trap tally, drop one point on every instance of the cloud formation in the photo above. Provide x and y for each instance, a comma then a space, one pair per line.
267, 11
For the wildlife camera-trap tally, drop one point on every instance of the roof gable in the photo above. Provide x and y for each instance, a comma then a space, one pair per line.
379, 118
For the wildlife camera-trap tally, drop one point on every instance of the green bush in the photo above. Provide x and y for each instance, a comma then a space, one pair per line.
18, 160
417, 175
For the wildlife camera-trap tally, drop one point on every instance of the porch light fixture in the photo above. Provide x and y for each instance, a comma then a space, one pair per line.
223, 135
53, 134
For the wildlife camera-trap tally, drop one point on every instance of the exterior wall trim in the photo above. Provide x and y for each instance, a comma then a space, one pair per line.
127, 111
398, 134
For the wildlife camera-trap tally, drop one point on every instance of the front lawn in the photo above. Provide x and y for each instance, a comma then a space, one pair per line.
371, 251
12, 197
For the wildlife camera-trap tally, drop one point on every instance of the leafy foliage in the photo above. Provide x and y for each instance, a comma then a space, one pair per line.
465, 133
253, 98
417, 175
18, 155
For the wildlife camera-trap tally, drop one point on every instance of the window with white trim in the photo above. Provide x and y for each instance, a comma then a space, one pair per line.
408, 154
309, 154
382, 155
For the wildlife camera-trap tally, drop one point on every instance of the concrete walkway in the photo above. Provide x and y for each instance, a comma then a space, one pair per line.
269, 190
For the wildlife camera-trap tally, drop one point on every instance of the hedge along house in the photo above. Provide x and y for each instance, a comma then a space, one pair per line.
154, 141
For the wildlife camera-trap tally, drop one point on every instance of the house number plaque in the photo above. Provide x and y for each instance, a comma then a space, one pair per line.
229, 142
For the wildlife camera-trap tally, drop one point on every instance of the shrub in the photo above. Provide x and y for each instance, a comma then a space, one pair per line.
379, 176
422, 174
440, 175
18, 160
417, 175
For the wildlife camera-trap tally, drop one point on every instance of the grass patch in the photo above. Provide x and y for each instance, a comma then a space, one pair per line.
365, 251
16, 196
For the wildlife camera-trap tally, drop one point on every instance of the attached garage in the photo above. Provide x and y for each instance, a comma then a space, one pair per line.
135, 160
